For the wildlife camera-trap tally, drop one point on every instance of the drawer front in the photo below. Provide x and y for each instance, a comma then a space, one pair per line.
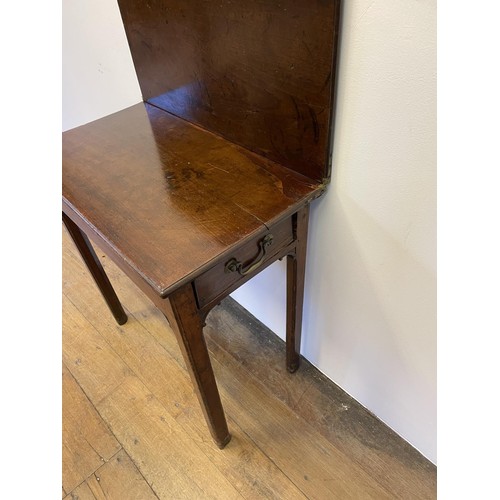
243, 263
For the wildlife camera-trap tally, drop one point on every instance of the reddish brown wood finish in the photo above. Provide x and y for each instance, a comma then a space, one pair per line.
170, 197
295, 277
216, 280
96, 270
182, 312
258, 72
172, 202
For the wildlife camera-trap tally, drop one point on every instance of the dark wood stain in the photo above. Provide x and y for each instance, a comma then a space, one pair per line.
96, 270
169, 196
257, 72
295, 271
182, 313
231, 146
216, 281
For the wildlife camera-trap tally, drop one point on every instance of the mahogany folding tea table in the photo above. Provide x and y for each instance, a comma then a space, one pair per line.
208, 181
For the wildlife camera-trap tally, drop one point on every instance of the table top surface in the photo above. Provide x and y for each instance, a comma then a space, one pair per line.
169, 197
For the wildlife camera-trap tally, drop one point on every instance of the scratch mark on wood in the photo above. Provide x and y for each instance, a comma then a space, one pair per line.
218, 168
315, 123
252, 214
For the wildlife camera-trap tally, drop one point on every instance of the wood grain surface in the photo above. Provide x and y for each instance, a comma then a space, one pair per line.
118, 478
158, 363
258, 72
86, 441
235, 139
294, 436
236, 338
168, 197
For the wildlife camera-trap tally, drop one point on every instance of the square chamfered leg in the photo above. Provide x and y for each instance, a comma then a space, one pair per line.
182, 312
295, 276
96, 270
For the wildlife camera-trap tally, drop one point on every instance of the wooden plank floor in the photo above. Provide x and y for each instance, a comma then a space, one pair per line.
133, 429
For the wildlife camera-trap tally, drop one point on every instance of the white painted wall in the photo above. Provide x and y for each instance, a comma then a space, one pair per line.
370, 307
98, 76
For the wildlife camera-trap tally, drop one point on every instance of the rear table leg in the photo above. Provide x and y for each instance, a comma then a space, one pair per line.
96, 270
296, 265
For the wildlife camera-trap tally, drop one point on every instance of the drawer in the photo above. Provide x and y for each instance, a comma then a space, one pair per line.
243, 263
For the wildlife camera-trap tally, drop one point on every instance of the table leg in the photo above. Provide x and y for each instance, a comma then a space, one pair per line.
182, 313
296, 265
96, 270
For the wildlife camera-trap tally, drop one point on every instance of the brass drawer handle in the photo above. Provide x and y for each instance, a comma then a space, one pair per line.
235, 265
